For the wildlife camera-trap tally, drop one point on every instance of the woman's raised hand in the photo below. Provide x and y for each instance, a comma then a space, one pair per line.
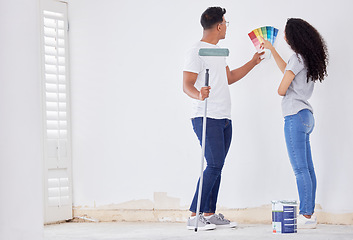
266, 44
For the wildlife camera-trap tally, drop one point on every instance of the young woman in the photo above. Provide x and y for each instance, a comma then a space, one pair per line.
303, 69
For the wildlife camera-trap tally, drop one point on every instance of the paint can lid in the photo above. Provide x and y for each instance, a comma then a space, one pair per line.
286, 202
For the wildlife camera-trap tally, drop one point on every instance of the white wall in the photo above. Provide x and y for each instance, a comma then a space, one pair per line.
131, 130
21, 203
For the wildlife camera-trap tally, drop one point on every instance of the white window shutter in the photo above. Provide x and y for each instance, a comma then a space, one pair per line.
56, 112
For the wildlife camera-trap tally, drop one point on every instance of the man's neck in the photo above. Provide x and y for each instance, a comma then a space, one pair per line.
210, 38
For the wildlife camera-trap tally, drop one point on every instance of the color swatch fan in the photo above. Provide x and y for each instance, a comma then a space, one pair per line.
268, 33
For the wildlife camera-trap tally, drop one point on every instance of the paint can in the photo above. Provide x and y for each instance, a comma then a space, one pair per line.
284, 216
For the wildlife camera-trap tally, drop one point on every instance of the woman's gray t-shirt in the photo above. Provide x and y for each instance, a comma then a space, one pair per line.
300, 90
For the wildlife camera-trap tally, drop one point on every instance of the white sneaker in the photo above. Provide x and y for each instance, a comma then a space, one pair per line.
220, 221
306, 223
203, 224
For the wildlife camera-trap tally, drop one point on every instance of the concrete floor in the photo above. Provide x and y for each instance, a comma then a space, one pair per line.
156, 231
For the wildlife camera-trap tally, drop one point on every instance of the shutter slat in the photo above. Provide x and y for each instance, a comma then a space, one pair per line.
53, 23
56, 125
54, 32
55, 97
54, 51
51, 61
54, 15
55, 70
53, 42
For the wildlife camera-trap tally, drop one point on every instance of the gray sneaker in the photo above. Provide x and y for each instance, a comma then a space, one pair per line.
203, 224
220, 221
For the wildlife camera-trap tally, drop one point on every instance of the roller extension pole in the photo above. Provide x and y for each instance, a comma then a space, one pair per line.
202, 155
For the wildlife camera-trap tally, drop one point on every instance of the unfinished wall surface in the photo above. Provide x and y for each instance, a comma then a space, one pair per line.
132, 135
163, 208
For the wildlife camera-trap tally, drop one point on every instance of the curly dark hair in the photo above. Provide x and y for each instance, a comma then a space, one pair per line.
212, 16
305, 40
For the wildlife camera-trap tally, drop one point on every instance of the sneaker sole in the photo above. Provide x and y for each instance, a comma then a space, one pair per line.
227, 226
205, 228
306, 226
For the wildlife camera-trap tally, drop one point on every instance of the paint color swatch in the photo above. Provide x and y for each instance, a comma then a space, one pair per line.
268, 33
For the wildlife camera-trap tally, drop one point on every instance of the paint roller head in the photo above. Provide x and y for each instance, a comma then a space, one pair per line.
214, 52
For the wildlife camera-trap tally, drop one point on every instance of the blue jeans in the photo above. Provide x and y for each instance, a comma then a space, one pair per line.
218, 139
297, 130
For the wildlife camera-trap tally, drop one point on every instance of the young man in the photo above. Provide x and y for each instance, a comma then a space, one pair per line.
219, 124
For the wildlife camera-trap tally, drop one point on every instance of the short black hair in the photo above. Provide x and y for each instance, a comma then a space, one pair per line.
212, 16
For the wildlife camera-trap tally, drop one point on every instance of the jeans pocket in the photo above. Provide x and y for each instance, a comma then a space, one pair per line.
197, 124
307, 119
193, 121
227, 123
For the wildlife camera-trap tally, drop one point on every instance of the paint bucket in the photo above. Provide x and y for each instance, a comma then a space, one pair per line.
284, 216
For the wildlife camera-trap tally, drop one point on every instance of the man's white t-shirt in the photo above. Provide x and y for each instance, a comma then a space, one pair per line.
218, 103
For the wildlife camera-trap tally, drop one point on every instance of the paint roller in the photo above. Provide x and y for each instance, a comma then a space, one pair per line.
206, 52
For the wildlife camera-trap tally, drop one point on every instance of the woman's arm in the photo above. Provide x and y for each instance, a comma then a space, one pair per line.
288, 75
279, 61
285, 83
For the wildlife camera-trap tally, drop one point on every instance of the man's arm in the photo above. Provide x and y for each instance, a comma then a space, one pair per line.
237, 74
189, 79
